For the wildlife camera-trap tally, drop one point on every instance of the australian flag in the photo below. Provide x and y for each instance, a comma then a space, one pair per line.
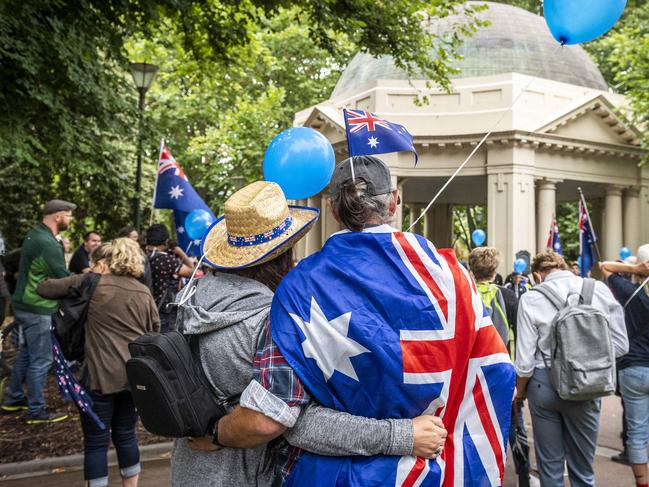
174, 191
380, 323
368, 134
587, 240
554, 242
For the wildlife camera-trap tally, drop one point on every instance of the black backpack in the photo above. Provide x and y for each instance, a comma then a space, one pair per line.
68, 323
169, 387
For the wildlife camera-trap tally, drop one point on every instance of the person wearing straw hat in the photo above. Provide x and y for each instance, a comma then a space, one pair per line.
226, 314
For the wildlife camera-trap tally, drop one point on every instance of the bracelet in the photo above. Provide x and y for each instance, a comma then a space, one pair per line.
215, 434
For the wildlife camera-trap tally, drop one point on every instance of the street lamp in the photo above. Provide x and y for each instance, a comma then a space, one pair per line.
143, 75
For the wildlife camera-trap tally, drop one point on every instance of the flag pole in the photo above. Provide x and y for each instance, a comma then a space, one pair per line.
592, 228
349, 147
155, 187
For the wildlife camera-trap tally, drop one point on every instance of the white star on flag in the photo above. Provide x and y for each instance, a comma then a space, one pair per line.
372, 142
327, 342
181, 230
197, 242
176, 192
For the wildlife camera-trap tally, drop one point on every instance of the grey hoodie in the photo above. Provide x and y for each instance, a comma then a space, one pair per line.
228, 313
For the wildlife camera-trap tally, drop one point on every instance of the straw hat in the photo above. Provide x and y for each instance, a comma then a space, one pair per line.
258, 225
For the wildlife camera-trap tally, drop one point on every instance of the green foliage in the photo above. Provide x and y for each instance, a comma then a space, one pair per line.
232, 75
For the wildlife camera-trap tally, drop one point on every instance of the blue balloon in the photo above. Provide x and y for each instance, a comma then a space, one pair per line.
625, 253
577, 21
197, 222
520, 265
478, 236
301, 160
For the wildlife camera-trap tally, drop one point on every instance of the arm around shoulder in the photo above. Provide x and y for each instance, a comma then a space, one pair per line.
57, 288
335, 433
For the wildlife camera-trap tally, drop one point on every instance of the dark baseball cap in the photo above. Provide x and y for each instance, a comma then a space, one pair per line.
372, 170
54, 206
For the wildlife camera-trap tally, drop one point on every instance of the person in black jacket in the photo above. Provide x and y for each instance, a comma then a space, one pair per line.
80, 261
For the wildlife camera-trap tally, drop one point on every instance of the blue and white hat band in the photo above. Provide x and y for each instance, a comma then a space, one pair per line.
260, 238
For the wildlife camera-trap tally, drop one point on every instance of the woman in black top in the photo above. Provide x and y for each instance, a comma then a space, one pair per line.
633, 368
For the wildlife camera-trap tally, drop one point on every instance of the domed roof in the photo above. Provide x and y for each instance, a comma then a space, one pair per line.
516, 41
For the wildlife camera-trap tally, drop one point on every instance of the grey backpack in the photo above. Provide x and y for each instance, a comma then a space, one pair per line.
582, 360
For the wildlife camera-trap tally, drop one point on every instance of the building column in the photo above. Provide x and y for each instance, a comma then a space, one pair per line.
313, 238
328, 224
644, 214
612, 223
438, 225
397, 220
415, 212
631, 224
546, 209
511, 215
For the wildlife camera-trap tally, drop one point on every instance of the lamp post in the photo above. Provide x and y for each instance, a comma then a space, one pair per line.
143, 75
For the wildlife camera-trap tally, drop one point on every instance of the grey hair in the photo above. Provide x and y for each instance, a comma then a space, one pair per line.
356, 208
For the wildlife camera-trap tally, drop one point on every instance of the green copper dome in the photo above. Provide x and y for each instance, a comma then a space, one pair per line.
516, 41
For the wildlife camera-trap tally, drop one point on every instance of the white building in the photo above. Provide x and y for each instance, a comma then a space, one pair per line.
565, 131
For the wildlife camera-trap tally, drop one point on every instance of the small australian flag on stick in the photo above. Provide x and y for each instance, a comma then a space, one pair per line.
368, 134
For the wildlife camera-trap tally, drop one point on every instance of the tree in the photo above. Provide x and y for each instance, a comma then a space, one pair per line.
70, 107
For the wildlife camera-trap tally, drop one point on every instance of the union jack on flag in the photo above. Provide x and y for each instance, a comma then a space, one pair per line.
174, 191
368, 134
405, 333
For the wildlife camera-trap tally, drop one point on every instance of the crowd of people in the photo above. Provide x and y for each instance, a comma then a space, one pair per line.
302, 412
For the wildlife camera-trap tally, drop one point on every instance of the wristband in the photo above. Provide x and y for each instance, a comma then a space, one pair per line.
215, 434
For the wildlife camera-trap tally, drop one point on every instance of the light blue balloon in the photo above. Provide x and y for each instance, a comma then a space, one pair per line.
520, 265
197, 222
478, 236
579, 261
625, 253
301, 160
577, 21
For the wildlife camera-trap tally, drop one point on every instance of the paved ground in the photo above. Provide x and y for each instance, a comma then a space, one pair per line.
609, 474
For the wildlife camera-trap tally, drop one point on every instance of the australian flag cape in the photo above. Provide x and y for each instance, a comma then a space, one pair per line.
382, 324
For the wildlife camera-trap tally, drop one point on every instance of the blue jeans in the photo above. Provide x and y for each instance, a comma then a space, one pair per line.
634, 386
117, 412
564, 432
33, 362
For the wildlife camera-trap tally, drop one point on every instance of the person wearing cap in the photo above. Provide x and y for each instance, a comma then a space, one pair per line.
41, 257
358, 322
226, 314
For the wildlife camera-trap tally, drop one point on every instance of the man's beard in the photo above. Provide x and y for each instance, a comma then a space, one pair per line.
61, 226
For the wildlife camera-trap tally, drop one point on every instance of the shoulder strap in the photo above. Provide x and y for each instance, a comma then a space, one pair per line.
635, 293
551, 295
587, 291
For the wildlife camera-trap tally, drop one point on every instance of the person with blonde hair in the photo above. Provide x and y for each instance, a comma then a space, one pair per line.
633, 368
565, 432
120, 310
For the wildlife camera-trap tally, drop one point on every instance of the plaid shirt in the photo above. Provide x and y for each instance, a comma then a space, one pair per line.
271, 370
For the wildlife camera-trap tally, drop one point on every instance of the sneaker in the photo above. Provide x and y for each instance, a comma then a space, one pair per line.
621, 458
15, 407
45, 417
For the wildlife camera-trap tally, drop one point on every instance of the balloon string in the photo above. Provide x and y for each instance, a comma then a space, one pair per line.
475, 149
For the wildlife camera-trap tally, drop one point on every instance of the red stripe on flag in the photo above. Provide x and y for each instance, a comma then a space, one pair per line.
419, 266
487, 424
417, 469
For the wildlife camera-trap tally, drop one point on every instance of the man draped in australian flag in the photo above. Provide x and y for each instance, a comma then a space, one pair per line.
380, 323
174, 191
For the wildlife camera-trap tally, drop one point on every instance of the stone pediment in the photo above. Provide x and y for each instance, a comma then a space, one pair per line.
327, 120
595, 119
